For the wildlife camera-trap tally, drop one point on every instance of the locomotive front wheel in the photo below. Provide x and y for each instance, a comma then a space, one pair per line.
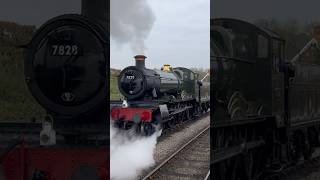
307, 150
252, 170
230, 169
147, 129
171, 124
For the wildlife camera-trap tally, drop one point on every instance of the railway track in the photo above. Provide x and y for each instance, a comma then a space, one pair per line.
190, 161
171, 130
299, 171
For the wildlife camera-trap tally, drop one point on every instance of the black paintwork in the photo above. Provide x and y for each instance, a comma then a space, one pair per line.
265, 111
66, 60
246, 63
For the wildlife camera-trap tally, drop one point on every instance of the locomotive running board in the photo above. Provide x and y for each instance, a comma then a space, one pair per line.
170, 116
180, 110
226, 123
306, 123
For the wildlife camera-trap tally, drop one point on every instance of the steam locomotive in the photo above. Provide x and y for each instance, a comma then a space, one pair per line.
65, 70
266, 111
155, 98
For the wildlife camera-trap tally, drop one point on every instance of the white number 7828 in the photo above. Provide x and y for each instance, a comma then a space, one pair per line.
65, 50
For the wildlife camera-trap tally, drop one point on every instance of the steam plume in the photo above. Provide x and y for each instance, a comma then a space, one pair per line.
131, 22
130, 154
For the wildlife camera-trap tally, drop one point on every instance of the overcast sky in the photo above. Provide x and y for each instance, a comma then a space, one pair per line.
36, 12
180, 36
302, 10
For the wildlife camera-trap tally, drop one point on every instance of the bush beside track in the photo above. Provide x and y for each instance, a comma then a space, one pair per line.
114, 91
16, 103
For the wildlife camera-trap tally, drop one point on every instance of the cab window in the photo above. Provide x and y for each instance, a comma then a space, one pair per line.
277, 54
191, 76
263, 48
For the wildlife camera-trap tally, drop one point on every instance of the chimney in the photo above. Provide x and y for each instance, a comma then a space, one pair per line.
140, 61
97, 10
316, 32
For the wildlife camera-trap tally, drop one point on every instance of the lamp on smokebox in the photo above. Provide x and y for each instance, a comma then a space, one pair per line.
47, 134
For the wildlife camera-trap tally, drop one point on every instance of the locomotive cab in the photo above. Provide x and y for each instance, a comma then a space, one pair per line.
246, 62
189, 83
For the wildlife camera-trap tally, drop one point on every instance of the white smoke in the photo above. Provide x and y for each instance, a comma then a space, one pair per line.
131, 22
130, 154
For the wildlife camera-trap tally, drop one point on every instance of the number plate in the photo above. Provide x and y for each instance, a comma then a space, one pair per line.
65, 50
130, 77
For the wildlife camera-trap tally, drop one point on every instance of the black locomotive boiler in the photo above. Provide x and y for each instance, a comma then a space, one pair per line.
158, 97
265, 111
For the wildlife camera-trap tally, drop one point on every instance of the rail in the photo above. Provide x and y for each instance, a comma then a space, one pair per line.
167, 160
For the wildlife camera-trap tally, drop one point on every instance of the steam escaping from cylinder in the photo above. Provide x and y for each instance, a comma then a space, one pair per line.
130, 153
131, 22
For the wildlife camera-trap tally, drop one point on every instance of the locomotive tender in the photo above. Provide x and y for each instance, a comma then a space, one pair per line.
65, 70
266, 111
158, 97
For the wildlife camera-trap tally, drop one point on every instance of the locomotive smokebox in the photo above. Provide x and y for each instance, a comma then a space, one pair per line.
65, 64
140, 61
